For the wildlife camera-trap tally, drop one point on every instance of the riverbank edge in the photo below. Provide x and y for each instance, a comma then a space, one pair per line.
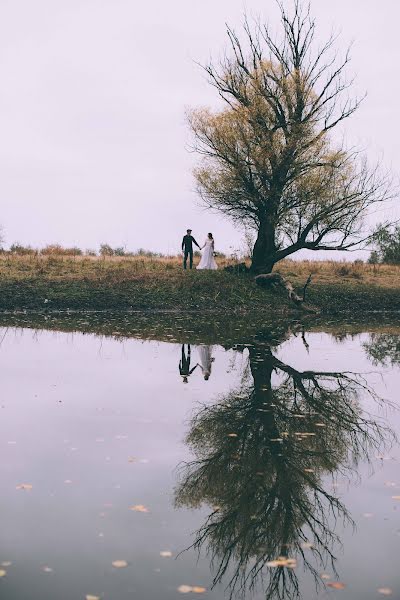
225, 293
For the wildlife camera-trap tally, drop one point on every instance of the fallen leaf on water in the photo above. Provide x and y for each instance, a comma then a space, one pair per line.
139, 508
325, 576
3, 573
396, 497
385, 591
307, 545
232, 434
195, 589
6, 563
91, 597
309, 470
24, 486
165, 553
47, 569
119, 564
184, 589
336, 585
283, 562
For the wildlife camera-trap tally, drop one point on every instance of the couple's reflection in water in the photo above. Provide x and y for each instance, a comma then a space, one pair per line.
266, 460
205, 361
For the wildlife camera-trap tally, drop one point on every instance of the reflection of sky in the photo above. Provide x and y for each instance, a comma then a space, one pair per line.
76, 407
92, 108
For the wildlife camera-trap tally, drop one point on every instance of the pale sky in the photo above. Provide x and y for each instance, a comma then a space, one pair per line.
93, 139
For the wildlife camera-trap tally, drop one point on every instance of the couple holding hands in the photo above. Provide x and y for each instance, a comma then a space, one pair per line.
207, 258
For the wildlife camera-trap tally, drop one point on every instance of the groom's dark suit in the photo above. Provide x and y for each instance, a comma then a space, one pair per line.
187, 248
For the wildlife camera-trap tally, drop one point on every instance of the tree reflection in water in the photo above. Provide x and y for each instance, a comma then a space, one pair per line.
383, 348
263, 454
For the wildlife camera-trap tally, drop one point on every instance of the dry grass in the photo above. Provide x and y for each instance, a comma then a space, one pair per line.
137, 267
333, 272
36, 282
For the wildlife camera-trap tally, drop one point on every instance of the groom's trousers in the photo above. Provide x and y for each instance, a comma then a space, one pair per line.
185, 256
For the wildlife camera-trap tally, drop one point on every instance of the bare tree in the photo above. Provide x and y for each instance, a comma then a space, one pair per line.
268, 159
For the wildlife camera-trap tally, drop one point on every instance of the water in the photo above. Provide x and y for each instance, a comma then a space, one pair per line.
280, 443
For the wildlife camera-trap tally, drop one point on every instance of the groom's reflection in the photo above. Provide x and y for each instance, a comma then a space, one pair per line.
184, 364
262, 455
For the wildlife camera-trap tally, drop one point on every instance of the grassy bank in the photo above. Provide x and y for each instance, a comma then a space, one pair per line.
134, 283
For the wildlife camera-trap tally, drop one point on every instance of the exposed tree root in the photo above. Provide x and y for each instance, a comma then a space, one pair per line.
275, 280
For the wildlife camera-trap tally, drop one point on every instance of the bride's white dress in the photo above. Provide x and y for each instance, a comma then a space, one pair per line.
207, 258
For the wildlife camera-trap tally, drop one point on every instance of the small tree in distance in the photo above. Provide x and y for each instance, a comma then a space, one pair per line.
387, 245
268, 160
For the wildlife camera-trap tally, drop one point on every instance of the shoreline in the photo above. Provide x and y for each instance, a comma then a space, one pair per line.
65, 284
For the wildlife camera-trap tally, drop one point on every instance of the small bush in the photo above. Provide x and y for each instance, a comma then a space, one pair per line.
21, 250
57, 250
106, 250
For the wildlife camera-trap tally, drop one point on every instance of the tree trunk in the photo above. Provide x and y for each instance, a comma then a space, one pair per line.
264, 248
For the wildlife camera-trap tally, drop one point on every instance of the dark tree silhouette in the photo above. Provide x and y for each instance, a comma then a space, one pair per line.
262, 457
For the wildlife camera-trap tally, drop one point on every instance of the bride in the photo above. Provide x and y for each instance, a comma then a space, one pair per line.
207, 258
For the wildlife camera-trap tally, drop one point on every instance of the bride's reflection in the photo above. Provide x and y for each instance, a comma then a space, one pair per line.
206, 360
263, 454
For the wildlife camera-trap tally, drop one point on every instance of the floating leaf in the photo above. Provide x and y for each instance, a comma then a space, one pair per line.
6, 563
195, 589
325, 576
336, 585
165, 553
119, 564
3, 573
396, 497
385, 591
91, 597
24, 486
47, 569
232, 435
139, 508
283, 562
184, 589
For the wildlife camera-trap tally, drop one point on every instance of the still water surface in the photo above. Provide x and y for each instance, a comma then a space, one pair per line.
199, 470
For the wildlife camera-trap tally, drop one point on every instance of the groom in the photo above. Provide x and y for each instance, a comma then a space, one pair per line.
187, 248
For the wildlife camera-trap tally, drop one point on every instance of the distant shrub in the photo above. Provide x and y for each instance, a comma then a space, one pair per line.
106, 250
147, 253
90, 252
373, 258
57, 250
349, 270
358, 261
119, 251
21, 250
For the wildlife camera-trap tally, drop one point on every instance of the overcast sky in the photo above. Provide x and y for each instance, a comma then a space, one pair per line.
93, 139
